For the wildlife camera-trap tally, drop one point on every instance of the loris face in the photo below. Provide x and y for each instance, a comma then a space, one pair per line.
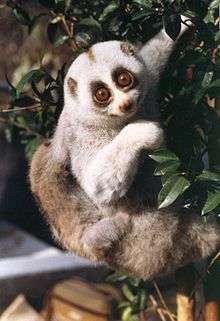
107, 81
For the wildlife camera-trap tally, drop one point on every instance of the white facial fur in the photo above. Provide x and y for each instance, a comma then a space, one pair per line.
80, 110
98, 65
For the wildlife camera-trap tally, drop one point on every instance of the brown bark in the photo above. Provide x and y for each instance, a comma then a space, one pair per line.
211, 311
185, 281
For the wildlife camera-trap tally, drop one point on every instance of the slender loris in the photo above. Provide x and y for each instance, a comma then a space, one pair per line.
106, 211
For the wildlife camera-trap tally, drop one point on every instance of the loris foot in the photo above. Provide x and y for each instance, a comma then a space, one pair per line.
100, 237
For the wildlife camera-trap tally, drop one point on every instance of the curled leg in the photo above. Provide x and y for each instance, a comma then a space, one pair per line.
101, 236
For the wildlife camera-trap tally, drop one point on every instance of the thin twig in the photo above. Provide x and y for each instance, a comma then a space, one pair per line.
156, 308
68, 31
165, 312
34, 107
216, 257
172, 318
201, 276
161, 314
153, 301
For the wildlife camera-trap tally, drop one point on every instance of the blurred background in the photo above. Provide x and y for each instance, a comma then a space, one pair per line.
20, 52
38, 40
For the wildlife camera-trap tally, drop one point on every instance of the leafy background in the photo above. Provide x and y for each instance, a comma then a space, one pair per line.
190, 92
190, 88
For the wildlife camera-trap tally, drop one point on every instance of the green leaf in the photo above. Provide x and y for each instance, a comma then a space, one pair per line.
209, 176
207, 79
83, 39
134, 281
142, 299
68, 4
173, 188
169, 166
116, 277
34, 75
214, 4
127, 293
31, 146
126, 315
22, 16
213, 200
172, 25
217, 36
109, 10
163, 155
141, 15
90, 23
167, 176
55, 34
215, 83
143, 3
199, 95
8, 134
124, 304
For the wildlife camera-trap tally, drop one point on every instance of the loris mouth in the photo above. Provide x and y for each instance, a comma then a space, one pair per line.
126, 109
126, 114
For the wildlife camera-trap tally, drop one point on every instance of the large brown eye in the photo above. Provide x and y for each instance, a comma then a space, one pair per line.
125, 79
102, 95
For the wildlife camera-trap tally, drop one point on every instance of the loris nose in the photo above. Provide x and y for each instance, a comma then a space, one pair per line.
126, 105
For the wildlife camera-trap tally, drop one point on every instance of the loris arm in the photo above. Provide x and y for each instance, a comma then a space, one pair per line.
157, 51
108, 176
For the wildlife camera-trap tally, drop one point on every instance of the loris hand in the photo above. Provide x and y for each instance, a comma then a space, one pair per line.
110, 173
100, 237
143, 134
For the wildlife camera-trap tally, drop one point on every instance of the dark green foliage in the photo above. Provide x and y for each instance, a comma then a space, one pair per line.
190, 169
188, 85
135, 295
212, 279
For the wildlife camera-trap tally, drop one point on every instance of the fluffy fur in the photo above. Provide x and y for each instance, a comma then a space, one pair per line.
105, 210
156, 242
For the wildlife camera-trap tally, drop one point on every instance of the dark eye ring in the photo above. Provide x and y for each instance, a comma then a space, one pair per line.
124, 79
102, 95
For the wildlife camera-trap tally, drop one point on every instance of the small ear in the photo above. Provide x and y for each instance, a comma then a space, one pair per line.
72, 84
128, 49
157, 51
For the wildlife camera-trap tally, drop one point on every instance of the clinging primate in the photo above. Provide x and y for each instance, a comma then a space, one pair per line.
94, 180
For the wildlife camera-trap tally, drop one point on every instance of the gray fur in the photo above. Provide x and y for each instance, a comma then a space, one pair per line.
113, 217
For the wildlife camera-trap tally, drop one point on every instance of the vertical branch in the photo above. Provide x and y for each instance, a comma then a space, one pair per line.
211, 311
69, 32
185, 281
212, 292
